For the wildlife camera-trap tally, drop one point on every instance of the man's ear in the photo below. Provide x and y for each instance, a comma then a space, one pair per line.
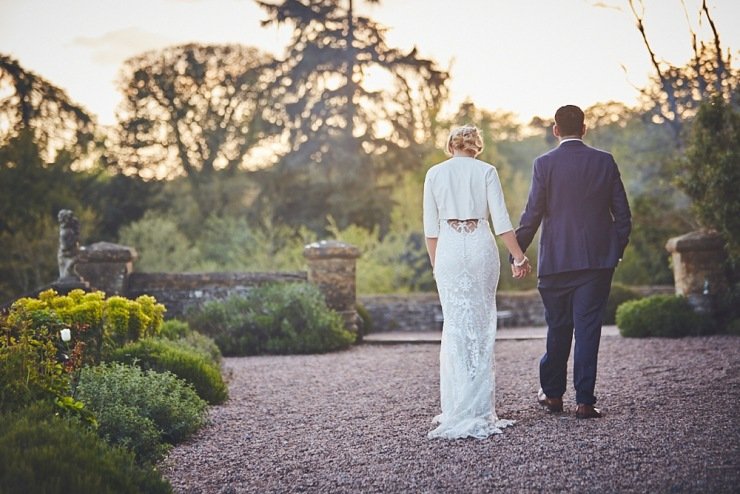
555, 130
583, 130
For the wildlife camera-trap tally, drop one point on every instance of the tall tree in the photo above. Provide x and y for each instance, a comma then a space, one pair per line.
192, 110
28, 102
347, 140
676, 92
711, 170
32, 191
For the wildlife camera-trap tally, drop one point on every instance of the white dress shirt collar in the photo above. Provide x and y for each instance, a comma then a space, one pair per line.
571, 139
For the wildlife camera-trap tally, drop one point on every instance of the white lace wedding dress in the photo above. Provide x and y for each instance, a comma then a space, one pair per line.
467, 269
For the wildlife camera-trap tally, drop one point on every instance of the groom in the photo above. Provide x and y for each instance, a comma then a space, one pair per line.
578, 197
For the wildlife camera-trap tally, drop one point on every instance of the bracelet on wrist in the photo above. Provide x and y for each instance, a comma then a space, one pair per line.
521, 263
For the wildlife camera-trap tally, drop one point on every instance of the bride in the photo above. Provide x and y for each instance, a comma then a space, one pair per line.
459, 195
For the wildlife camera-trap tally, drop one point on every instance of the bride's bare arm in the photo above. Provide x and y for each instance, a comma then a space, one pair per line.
432, 248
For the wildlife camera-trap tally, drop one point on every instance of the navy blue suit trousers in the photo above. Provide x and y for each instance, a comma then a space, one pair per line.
574, 301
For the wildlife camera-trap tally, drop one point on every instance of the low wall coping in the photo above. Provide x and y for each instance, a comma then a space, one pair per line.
186, 281
106, 252
695, 241
330, 249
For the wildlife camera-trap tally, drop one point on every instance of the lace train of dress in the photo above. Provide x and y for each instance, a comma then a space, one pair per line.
467, 269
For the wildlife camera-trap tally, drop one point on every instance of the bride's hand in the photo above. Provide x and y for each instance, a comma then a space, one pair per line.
521, 272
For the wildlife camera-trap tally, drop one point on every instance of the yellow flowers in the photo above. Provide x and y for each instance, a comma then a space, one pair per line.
101, 323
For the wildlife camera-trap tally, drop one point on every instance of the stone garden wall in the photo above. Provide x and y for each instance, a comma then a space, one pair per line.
423, 312
331, 267
182, 291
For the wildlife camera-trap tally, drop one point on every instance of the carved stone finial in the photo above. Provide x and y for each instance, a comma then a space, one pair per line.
69, 244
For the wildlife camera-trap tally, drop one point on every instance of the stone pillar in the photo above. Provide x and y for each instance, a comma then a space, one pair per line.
698, 260
106, 266
332, 267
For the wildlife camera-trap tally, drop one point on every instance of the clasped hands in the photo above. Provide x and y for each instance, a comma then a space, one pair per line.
522, 270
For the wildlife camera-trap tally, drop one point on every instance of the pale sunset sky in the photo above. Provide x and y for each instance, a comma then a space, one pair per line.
526, 56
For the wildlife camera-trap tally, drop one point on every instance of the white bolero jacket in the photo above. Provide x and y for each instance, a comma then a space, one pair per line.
463, 188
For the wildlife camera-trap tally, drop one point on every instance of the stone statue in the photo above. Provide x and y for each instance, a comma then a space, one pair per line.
69, 244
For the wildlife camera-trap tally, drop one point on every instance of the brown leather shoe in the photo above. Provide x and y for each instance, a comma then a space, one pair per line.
587, 412
553, 405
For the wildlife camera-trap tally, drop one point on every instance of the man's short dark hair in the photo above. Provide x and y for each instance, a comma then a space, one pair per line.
569, 119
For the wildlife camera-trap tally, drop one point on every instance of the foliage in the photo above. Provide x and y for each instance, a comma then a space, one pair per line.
379, 268
710, 171
726, 308
231, 243
118, 200
277, 319
395, 261
178, 333
121, 395
31, 104
27, 261
346, 138
733, 327
675, 93
366, 324
162, 355
98, 324
174, 329
40, 453
160, 244
30, 367
222, 243
192, 110
32, 191
660, 315
618, 295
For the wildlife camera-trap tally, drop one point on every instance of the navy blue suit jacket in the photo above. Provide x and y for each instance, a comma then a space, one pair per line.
578, 196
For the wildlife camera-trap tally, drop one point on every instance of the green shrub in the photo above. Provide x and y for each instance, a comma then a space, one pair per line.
200, 344
659, 315
366, 322
30, 371
727, 311
163, 355
277, 319
40, 453
180, 334
33, 368
174, 329
121, 424
617, 296
97, 323
733, 327
121, 395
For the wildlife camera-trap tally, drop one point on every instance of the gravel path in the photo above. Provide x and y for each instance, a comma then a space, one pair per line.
356, 421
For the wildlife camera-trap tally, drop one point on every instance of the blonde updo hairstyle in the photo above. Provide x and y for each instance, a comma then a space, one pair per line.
466, 139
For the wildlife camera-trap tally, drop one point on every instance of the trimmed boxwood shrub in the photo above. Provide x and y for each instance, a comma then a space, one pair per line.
41, 453
163, 355
179, 333
275, 319
121, 395
174, 329
659, 315
618, 295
